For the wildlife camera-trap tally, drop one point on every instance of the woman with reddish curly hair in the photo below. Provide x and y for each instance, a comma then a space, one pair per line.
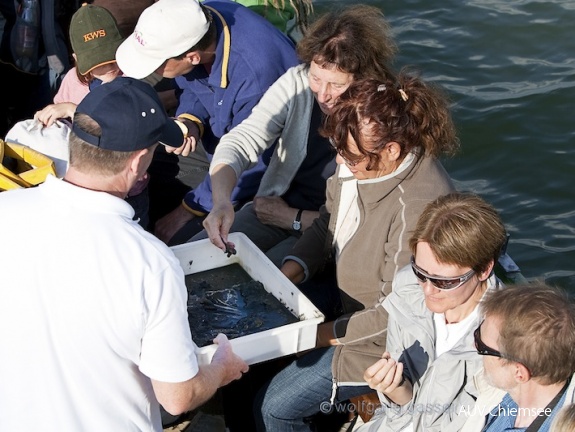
388, 136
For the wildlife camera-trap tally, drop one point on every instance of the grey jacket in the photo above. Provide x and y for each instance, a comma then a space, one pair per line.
283, 114
443, 387
367, 264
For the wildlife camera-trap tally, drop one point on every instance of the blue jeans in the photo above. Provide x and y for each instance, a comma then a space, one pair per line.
300, 390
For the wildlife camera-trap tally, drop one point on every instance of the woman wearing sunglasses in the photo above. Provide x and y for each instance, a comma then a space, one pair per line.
425, 379
388, 136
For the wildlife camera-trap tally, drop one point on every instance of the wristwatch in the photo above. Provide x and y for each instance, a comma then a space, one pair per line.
296, 224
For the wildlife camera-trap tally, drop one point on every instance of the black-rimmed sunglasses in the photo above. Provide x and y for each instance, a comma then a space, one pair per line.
442, 283
483, 349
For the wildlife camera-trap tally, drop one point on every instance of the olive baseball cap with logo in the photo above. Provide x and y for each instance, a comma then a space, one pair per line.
95, 37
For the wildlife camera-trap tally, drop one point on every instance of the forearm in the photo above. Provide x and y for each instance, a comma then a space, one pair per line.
223, 182
326, 335
307, 218
177, 398
209, 379
190, 128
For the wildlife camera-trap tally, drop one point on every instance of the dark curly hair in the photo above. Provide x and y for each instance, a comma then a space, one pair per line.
405, 110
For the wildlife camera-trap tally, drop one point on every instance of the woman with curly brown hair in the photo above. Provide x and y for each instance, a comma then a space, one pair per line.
341, 46
388, 136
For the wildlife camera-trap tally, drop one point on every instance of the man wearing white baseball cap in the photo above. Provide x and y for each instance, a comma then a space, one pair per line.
223, 58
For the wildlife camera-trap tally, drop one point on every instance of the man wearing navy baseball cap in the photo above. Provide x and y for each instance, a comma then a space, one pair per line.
94, 309
129, 115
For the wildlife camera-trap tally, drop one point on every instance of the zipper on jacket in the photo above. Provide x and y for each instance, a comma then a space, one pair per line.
333, 391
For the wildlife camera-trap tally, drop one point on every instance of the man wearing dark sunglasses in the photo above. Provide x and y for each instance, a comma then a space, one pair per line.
425, 379
527, 341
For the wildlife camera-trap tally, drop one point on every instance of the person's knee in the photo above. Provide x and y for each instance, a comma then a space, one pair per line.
266, 403
263, 410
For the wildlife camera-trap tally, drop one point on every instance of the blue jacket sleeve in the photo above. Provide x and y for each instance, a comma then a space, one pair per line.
199, 200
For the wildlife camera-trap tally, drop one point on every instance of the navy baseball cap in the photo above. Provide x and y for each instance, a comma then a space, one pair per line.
130, 115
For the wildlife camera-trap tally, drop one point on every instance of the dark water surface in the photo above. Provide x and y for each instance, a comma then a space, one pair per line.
227, 300
509, 68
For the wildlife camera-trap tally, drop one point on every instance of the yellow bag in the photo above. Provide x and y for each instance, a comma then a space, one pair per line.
30, 167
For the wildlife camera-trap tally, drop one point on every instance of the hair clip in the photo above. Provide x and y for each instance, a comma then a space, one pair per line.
381, 87
403, 95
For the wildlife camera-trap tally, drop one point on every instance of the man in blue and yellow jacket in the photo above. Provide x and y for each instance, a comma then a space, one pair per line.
223, 58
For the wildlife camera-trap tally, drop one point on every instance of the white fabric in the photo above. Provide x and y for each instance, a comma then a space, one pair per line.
447, 335
408, 428
348, 215
165, 29
444, 386
51, 141
91, 308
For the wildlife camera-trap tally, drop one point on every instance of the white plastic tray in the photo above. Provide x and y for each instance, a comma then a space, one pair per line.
202, 255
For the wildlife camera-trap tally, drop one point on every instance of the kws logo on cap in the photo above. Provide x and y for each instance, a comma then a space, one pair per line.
94, 35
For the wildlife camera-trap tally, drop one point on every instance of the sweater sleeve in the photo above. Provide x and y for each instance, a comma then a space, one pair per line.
249, 145
200, 198
309, 250
241, 147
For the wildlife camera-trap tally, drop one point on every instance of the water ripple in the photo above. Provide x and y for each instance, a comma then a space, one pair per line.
509, 69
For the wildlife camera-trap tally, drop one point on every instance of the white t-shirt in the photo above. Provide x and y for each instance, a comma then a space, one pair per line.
447, 335
91, 308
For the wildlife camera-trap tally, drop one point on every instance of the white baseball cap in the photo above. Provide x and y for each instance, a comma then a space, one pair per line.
166, 29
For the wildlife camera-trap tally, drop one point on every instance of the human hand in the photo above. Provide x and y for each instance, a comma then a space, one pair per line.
49, 114
170, 224
272, 210
385, 375
189, 146
218, 222
232, 365
191, 138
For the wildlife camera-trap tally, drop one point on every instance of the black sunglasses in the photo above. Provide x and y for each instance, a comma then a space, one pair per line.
442, 283
484, 350
481, 348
